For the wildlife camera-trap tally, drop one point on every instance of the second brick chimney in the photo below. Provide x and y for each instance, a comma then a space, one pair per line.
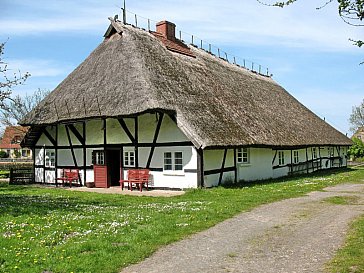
167, 29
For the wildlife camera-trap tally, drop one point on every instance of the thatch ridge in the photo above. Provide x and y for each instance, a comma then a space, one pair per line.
216, 103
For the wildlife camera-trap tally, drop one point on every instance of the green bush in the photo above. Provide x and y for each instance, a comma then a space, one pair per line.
15, 165
357, 149
4, 174
3, 154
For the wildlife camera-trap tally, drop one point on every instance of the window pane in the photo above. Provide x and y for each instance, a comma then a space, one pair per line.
167, 167
178, 161
168, 161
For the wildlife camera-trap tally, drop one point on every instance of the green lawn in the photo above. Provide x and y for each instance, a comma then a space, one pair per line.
62, 231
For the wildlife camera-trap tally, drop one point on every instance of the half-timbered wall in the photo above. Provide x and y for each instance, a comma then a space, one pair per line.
264, 163
148, 135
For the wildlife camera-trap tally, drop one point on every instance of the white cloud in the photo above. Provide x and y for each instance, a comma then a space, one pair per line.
238, 22
335, 106
39, 67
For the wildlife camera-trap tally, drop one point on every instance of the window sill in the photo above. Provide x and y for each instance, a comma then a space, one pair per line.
244, 164
174, 173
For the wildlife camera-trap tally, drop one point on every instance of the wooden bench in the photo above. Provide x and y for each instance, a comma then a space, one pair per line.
69, 176
21, 176
136, 176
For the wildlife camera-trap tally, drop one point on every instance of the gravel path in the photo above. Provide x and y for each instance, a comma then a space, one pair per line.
293, 235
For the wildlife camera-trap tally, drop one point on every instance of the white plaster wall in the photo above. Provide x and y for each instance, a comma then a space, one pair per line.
187, 180
90, 176
50, 176
74, 139
170, 179
115, 133
143, 153
39, 175
211, 180
39, 156
213, 160
259, 167
169, 131
65, 157
94, 132
284, 171
147, 124
43, 140
176, 179
62, 136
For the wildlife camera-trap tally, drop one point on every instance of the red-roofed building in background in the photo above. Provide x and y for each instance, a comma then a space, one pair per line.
359, 133
10, 143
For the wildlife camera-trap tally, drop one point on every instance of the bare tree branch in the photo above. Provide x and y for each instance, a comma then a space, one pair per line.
15, 109
7, 83
357, 117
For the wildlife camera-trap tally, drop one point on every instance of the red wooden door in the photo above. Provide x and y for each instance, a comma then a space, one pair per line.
100, 176
100, 169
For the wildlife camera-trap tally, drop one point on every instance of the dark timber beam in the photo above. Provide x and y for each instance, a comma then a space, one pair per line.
218, 171
291, 167
222, 167
84, 151
104, 128
56, 159
156, 133
307, 167
274, 158
72, 151
44, 176
136, 141
77, 134
235, 168
319, 151
33, 157
200, 169
126, 129
48, 135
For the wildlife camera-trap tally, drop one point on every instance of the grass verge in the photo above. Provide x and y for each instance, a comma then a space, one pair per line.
55, 230
350, 259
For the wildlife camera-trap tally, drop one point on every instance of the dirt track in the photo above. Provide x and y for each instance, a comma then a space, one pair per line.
294, 235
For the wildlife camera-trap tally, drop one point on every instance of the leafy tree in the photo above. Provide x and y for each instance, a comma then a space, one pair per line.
357, 149
350, 11
357, 117
15, 109
7, 83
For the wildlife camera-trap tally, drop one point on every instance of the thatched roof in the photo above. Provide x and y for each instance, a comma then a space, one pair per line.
216, 103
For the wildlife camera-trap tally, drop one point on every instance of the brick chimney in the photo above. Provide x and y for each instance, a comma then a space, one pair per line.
167, 29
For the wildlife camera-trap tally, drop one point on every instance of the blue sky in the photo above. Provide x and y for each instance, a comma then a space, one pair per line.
306, 50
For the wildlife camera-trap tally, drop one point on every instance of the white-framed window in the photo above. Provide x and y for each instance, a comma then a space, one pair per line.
129, 159
98, 157
281, 157
296, 158
330, 151
314, 153
173, 161
50, 159
243, 155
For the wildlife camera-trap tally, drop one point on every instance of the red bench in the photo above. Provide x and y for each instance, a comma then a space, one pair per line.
136, 176
69, 176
